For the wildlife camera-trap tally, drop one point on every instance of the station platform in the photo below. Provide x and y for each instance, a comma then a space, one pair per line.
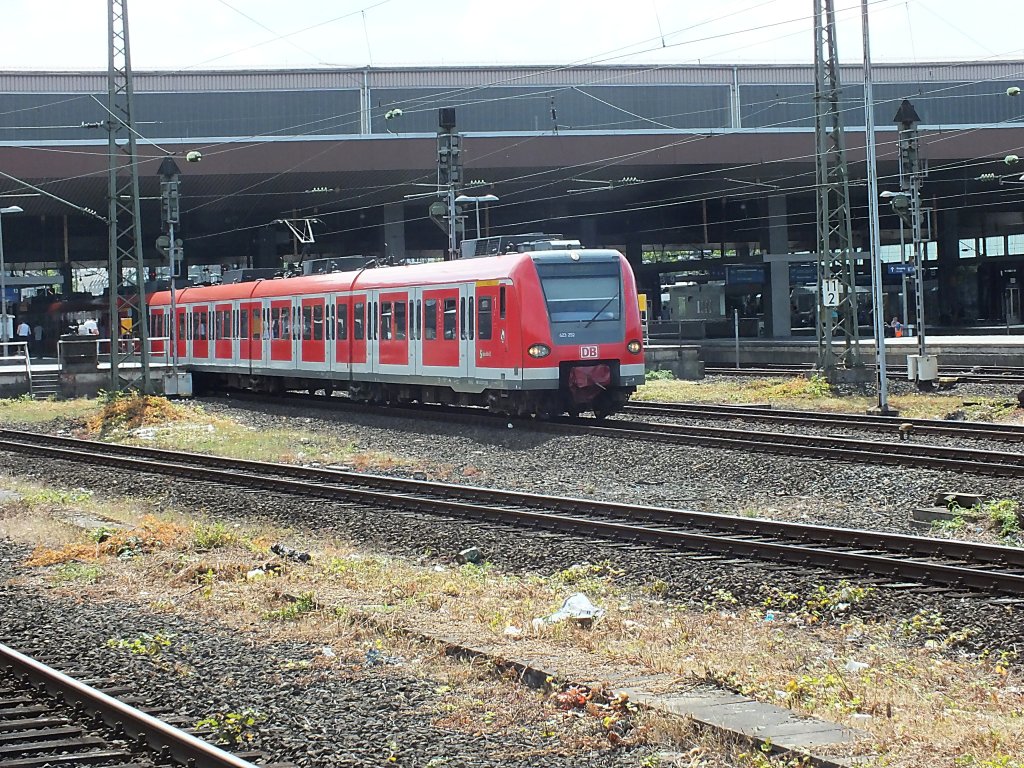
998, 350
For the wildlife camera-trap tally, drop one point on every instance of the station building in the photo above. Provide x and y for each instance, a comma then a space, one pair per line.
701, 175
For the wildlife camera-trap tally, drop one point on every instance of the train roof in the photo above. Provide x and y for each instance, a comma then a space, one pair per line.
433, 273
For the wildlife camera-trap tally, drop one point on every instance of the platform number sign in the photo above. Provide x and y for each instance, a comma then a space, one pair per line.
830, 293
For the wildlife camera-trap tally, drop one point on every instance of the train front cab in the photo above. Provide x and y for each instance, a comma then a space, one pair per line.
590, 337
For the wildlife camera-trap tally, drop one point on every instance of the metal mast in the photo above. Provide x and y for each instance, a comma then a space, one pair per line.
837, 295
125, 267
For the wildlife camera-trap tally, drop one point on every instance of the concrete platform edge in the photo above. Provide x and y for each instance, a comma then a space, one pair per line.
697, 704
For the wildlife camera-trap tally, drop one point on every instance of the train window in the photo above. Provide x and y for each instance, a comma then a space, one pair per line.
218, 325
483, 317
286, 324
470, 316
342, 322
449, 318
584, 293
385, 320
307, 323
257, 325
399, 319
275, 323
181, 325
462, 318
329, 322
318, 322
243, 323
357, 320
418, 315
430, 318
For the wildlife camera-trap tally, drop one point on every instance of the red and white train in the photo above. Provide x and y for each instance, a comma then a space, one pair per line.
540, 332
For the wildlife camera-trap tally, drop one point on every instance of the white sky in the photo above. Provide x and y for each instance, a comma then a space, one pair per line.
205, 34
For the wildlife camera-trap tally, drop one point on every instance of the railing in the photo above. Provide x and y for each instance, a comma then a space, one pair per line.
16, 353
159, 348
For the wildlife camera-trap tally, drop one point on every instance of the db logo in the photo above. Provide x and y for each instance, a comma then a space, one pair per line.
588, 352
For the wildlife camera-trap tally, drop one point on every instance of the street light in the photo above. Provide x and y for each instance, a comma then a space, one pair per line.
477, 199
6, 332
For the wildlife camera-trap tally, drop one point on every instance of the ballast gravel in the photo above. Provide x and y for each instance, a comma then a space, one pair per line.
703, 479
308, 715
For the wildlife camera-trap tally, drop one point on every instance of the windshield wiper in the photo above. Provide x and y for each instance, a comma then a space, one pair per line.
602, 309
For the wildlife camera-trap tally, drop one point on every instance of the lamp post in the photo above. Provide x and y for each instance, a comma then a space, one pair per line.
477, 199
6, 333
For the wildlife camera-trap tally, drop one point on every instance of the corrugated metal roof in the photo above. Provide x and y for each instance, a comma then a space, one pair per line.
458, 77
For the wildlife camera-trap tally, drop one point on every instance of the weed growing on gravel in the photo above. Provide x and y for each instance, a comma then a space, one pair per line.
77, 573
296, 608
234, 728
57, 498
207, 536
126, 411
143, 645
1001, 516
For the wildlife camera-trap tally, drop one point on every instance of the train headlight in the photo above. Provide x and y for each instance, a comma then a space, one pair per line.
539, 350
634, 347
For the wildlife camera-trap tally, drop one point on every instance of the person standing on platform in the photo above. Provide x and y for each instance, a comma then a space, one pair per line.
897, 327
24, 333
37, 334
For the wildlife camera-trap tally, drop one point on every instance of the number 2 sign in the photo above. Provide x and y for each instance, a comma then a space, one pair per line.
830, 293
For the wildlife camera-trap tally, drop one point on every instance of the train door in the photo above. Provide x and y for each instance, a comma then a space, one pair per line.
313, 349
341, 334
182, 333
491, 348
280, 341
441, 344
222, 332
250, 331
200, 332
393, 341
361, 346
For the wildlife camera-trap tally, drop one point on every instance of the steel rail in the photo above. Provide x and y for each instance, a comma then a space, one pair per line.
435, 498
966, 377
160, 736
974, 430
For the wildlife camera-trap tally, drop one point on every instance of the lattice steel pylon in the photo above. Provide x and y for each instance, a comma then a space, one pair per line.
835, 238
124, 235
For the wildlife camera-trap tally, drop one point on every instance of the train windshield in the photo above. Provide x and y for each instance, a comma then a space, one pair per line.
584, 293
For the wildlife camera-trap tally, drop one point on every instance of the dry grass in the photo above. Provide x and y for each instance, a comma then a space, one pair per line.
921, 701
806, 394
24, 410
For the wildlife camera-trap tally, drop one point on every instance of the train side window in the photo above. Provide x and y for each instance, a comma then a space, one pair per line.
430, 318
385, 320
470, 316
307, 323
501, 303
243, 323
181, 326
483, 317
342, 322
358, 311
286, 324
400, 320
462, 318
318, 322
275, 322
450, 320
418, 315
218, 325
257, 326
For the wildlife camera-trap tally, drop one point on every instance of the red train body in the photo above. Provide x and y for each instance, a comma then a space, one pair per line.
542, 333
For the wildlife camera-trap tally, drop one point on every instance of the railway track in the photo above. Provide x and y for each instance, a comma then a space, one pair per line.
990, 569
974, 430
908, 454
974, 375
50, 719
